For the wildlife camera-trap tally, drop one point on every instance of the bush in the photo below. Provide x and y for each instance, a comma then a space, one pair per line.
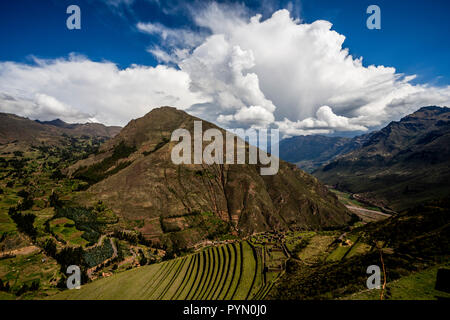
34, 286
26, 204
157, 147
24, 222
54, 200
300, 246
70, 256
143, 259
100, 171
4, 287
23, 194
57, 175
50, 248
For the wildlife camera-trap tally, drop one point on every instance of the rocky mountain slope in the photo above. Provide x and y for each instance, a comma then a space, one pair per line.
403, 164
182, 205
311, 152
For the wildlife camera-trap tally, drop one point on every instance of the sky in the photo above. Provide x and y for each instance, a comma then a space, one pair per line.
302, 66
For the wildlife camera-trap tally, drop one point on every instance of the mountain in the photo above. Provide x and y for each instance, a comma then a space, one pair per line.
403, 164
182, 205
89, 129
15, 129
57, 123
311, 152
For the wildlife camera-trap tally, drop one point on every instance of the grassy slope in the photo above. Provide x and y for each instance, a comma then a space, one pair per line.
412, 242
417, 286
194, 277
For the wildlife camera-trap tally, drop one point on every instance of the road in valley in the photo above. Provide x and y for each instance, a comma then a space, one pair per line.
368, 215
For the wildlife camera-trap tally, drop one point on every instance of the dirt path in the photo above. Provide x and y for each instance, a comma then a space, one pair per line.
99, 242
21, 251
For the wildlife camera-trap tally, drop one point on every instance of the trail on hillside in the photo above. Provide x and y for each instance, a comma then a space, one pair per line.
21, 251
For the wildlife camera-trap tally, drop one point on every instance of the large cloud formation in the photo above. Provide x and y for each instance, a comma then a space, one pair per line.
240, 71
78, 90
298, 74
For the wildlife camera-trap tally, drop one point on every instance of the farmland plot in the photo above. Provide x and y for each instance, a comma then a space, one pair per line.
232, 271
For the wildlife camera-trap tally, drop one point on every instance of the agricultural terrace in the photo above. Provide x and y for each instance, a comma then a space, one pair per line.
232, 271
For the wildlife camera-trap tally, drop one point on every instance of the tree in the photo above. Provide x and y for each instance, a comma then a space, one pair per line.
24, 222
54, 200
50, 247
57, 175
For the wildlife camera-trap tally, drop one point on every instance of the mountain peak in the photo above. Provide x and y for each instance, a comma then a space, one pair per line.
56, 122
428, 112
182, 205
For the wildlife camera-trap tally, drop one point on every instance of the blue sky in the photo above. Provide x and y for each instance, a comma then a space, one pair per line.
413, 39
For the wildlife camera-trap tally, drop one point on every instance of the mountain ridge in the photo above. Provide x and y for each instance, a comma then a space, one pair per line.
17, 129
403, 164
310, 152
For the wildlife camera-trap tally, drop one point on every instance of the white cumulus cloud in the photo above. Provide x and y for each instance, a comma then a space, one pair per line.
78, 89
237, 71
299, 72
324, 122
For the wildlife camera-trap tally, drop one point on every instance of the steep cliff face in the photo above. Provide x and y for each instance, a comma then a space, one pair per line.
184, 204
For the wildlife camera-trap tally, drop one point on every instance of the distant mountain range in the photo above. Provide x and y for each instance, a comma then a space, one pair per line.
22, 130
401, 165
311, 152
90, 129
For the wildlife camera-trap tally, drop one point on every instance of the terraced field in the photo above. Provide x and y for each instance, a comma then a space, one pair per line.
232, 271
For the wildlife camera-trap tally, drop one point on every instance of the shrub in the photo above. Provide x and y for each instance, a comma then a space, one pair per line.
157, 147
24, 222
57, 175
100, 171
34, 286
23, 194
4, 287
50, 248
54, 200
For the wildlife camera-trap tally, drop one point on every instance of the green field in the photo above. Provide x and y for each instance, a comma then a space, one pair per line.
232, 271
24, 269
64, 228
417, 286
